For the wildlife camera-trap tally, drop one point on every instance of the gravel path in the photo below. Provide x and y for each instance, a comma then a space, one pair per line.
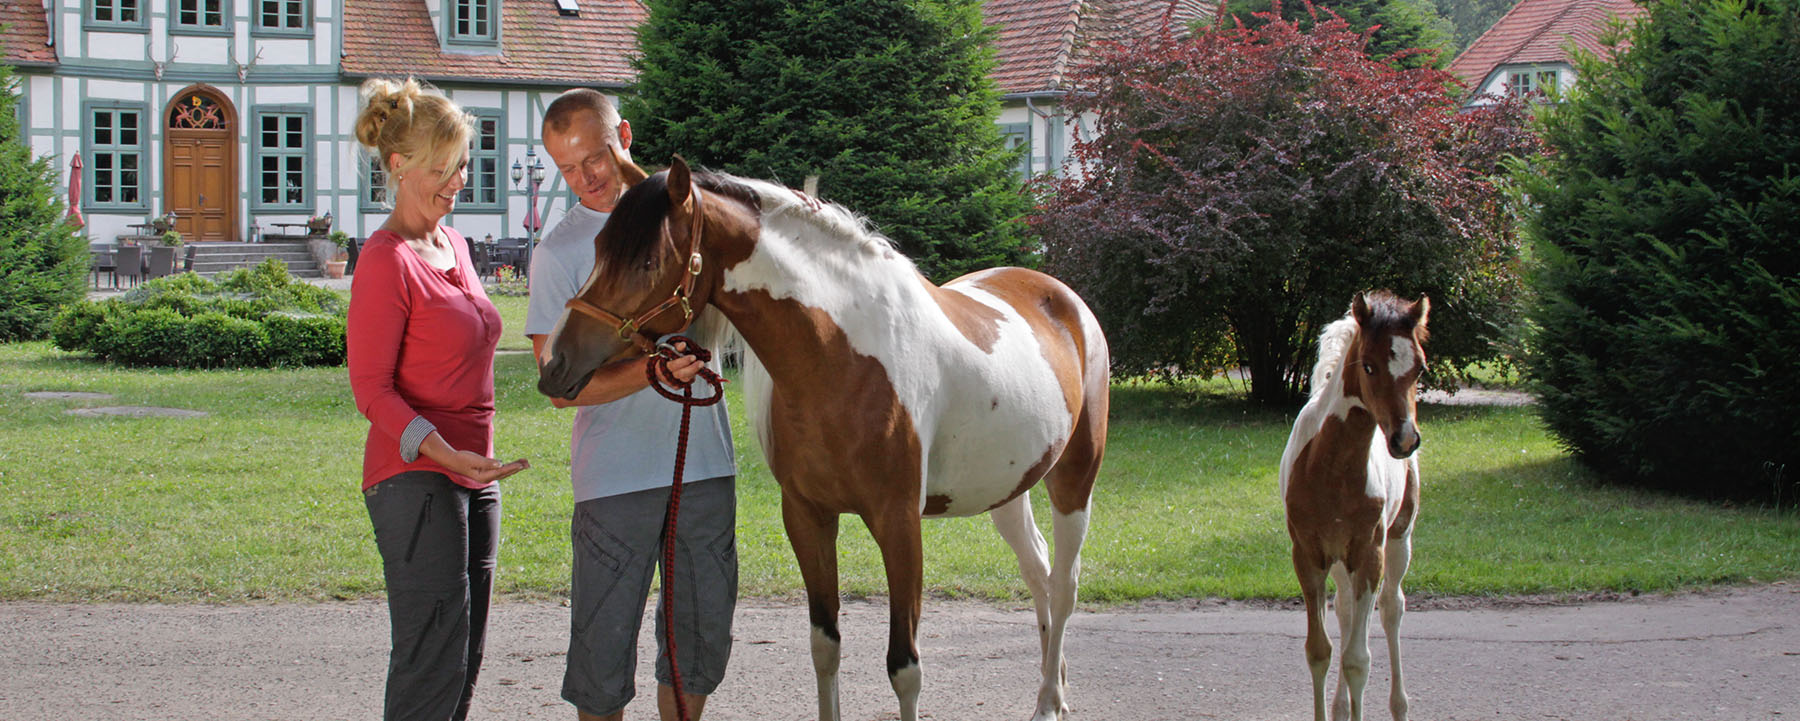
1731, 654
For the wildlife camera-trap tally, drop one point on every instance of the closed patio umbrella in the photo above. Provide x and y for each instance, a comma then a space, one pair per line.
75, 218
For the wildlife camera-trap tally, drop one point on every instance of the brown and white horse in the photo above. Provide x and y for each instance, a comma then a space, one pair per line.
1350, 482
873, 391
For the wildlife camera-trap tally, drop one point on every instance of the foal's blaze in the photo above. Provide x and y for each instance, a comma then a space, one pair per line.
872, 391
1350, 485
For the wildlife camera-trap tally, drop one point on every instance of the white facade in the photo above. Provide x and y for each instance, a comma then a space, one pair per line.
133, 72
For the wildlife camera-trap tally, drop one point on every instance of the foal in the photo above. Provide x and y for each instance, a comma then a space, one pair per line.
1351, 493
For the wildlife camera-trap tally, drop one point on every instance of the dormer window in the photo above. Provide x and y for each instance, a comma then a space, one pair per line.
474, 22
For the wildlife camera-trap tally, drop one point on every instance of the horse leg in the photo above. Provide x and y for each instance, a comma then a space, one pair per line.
896, 531
1318, 644
1016, 523
1363, 582
1070, 484
1393, 606
1344, 605
813, 534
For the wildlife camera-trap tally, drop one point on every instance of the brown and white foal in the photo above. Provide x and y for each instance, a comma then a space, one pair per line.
1350, 484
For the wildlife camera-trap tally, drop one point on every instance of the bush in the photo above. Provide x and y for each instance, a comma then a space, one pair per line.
249, 318
300, 340
1242, 184
43, 261
216, 340
1664, 354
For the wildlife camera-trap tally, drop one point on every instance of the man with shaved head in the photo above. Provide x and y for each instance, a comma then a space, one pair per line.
622, 459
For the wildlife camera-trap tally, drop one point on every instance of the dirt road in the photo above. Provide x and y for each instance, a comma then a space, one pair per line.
1724, 655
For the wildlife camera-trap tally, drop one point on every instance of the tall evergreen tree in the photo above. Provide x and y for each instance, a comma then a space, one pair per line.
43, 261
1670, 284
888, 101
1403, 24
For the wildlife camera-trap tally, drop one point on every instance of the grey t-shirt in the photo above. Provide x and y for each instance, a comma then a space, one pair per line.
627, 445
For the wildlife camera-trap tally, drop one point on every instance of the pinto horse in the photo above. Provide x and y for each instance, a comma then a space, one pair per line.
1352, 493
872, 391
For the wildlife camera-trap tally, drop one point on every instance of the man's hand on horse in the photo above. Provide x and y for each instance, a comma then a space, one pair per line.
680, 370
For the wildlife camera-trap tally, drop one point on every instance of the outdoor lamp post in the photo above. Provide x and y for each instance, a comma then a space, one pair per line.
534, 168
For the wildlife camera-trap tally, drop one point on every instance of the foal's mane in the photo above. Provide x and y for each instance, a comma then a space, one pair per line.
1387, 314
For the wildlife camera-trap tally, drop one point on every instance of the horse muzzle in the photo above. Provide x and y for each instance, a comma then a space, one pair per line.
556, 380
1405, 440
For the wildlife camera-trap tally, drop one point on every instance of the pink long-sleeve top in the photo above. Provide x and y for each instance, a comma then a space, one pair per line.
421, 346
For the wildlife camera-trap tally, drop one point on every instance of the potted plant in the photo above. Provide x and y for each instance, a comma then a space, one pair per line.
162, 224
340, 258
171, 238
319, 224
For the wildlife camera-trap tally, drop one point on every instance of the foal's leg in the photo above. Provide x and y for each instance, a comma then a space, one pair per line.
896, 532
1344, 605
1393, 606
1363, 582
813, 534
1318, 644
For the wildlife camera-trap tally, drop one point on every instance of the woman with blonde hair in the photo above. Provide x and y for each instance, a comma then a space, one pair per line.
421, 338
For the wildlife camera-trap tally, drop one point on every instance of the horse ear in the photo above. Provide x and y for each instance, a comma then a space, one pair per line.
629, 173
1359, 307
1421, 311
680, 182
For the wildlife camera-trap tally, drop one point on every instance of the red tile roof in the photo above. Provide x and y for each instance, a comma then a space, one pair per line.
24, 33
1540, 31
538, 45
1040, 39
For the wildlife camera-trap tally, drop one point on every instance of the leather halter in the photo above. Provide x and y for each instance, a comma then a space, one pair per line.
632, 330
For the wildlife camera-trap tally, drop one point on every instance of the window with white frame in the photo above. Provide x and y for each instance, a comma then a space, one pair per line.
282, 156
126, 15
1018, 138
475, 22
1531, 84
114, 140
374, 191
484, 191
286, 17
200, 16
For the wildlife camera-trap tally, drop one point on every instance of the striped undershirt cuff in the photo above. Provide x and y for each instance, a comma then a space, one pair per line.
415, 434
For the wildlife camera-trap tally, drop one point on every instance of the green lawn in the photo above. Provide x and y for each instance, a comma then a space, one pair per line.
259, 500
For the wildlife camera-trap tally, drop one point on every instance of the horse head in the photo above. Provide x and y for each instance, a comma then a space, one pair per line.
1383, 364
650, 277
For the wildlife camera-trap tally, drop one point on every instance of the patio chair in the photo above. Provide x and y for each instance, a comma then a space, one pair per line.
162, 261
128, 263
101, 261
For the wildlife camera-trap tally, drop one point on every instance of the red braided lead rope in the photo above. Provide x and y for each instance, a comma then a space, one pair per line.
659, 360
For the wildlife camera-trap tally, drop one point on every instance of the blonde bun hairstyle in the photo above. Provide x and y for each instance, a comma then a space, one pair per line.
415, 121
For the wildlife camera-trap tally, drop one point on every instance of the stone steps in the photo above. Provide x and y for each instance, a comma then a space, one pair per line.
213, 258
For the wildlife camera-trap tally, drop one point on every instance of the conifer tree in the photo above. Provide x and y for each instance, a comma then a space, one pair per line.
1670, 281
1403, 24
43, 261
888, 101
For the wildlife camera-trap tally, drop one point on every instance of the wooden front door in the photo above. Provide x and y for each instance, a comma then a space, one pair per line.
200, 165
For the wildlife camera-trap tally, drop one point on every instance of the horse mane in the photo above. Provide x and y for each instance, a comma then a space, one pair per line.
784, 203
639, 215
1334, 343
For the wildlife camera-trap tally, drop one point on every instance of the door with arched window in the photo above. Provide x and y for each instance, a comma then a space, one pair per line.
200, 164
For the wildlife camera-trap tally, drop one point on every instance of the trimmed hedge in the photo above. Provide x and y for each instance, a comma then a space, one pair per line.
253, 317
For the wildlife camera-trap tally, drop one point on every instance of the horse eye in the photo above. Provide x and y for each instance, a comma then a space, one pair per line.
1369, 369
